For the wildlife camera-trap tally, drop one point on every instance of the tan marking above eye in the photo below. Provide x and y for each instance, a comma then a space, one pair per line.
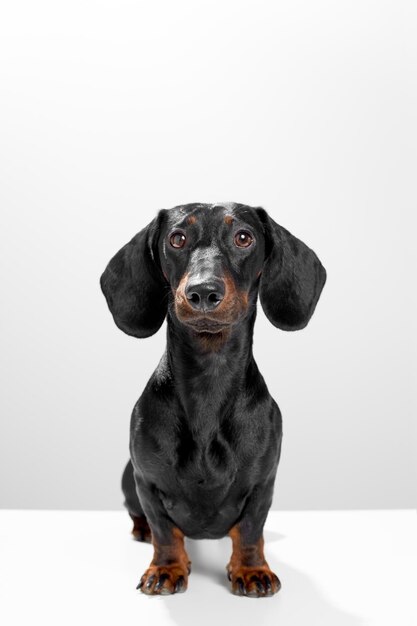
228, 219
191, 219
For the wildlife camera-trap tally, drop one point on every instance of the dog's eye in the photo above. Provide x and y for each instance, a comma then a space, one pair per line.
243, 239
177, 240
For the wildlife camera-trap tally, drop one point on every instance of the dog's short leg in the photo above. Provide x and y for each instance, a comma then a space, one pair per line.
140, 530
248, 570
170, 566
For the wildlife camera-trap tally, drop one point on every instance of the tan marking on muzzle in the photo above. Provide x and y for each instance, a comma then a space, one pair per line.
233, 306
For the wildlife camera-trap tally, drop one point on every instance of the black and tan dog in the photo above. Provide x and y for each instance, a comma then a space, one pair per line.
205, 434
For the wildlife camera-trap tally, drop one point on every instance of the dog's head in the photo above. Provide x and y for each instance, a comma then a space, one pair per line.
205, 264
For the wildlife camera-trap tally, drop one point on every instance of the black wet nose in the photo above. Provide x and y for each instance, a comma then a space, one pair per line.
205, 296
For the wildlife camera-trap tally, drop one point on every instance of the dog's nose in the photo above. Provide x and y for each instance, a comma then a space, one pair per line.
205, 296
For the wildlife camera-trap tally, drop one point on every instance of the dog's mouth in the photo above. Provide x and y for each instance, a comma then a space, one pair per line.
207, 325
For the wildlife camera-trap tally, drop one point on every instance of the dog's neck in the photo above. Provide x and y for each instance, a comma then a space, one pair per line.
207, 372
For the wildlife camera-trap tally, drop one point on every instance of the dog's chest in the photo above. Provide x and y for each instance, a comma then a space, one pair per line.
199, 492
210, 461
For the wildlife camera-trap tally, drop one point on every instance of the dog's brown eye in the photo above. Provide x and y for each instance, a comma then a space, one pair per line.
177, 240
243, 239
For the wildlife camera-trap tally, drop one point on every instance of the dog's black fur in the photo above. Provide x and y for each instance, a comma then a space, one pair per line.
205, 434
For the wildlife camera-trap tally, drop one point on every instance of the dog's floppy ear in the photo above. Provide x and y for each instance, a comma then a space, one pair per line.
292, 277
134, 285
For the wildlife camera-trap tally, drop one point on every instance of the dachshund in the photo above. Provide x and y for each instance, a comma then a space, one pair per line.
205, 435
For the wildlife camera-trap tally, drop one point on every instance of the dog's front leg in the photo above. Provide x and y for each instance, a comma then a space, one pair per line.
170, 566
248, 570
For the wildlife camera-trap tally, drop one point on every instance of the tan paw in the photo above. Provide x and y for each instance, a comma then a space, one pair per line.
164, 579
254, 582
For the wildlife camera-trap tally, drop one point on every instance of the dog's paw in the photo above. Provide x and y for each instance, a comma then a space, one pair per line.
141, 530
164, 579
254, 582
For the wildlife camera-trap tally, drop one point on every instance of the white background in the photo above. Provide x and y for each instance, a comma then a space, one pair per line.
112, 110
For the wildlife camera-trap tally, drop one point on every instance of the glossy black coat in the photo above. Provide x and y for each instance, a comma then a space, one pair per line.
205, 434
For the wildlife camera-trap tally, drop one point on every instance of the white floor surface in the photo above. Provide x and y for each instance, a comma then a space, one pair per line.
337, 568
